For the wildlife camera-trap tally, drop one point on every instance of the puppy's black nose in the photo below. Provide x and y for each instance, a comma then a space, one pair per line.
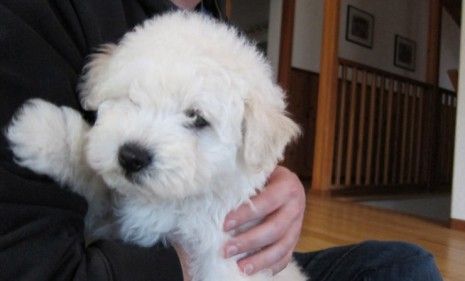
133, 157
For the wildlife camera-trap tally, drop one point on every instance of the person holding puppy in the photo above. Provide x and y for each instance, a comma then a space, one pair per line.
43, 46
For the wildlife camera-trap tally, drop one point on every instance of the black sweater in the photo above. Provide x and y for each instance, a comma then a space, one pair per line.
43, 46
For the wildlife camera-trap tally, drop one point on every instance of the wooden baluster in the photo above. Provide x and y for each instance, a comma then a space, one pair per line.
371, 125
350, 137
361, 129
381, 113
387, 146
419, 142
413, 122
442, 127
342, 119
403, 147
431, 134
382, 134
449, 140
446, 138
453, 114
396, 133
449, 136
452, 138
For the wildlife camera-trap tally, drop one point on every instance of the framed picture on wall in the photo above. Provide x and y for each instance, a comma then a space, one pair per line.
359, 27
404, 53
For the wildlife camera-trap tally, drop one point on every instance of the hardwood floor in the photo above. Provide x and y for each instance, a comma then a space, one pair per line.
331, 223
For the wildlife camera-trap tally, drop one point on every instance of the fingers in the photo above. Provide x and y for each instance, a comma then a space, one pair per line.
272, 229
282, 264
274, 257
280, 208
263, 204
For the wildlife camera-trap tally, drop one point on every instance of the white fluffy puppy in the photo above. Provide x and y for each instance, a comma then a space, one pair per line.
189, 126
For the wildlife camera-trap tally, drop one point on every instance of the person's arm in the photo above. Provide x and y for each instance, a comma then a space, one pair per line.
281, 206
43, 45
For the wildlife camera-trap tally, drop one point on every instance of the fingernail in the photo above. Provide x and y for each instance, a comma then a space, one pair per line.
248, 269
231, 251
229, 224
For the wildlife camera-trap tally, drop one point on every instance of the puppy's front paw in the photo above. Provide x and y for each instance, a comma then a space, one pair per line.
37, 136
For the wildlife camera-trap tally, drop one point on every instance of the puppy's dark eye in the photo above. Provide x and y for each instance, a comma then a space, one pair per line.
196, 119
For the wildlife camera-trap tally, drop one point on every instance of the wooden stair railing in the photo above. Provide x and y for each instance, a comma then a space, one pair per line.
391, 131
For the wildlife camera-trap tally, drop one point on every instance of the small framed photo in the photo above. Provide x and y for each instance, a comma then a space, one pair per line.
359, 27
405, 53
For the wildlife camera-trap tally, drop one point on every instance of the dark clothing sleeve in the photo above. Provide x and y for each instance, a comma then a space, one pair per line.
43, 47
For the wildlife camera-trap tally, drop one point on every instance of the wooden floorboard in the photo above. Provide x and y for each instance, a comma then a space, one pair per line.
335, 222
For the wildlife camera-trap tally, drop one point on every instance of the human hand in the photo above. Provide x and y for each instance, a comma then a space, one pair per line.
280, 207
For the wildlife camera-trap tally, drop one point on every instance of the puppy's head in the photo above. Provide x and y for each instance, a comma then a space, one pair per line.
182, 101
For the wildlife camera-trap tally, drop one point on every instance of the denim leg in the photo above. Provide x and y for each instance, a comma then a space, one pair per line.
370, 261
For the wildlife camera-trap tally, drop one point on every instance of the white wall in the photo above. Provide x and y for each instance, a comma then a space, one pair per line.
458, 181
274, 34
406, 18
308, 26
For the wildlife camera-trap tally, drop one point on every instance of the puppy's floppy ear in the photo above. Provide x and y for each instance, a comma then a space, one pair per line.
93, 84
267, 129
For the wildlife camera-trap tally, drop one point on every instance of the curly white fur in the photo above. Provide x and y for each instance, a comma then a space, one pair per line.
142, 89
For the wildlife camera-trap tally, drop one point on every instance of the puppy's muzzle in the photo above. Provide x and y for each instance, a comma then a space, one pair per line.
133, 158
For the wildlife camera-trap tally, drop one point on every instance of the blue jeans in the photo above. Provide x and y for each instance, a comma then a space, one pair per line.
370, 261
